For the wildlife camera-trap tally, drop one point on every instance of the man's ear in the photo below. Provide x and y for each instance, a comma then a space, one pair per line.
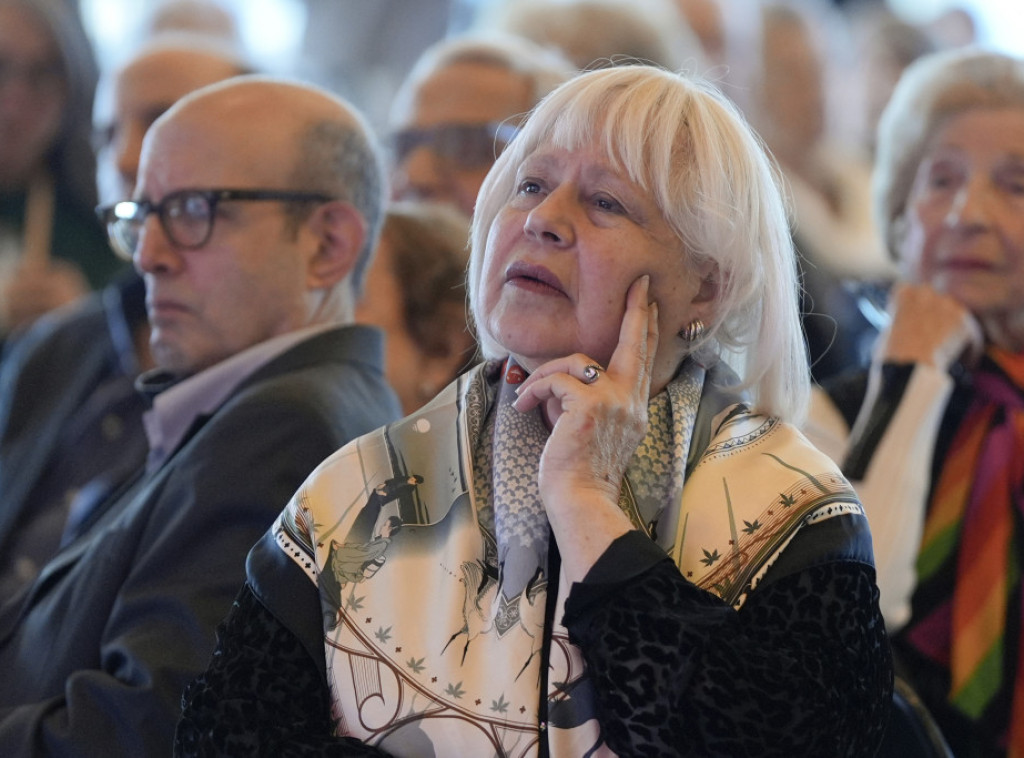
340, 233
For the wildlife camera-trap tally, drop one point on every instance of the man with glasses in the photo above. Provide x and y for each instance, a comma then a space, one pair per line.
258, 207
457, 110
70, 418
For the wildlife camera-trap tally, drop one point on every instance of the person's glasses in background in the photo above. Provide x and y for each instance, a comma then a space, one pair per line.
466, 146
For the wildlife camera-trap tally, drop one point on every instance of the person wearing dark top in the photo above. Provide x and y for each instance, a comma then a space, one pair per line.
52, 249
933, 434
71, 428
253, 245
616, 542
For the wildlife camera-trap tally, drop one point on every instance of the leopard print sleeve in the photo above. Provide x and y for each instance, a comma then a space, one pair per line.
261, 695
802, 669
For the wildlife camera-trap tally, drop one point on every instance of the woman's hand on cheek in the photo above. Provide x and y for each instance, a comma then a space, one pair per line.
928, 327
596, 427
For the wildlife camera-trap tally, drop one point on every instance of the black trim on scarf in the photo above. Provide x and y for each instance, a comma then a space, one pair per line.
550, 605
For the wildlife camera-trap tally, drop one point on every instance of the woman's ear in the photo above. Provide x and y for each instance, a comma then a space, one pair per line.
340, 233
710, 282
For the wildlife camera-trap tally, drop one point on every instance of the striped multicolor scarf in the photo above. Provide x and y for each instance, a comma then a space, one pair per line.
968, 567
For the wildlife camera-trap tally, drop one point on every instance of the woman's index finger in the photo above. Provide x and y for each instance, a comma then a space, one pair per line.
634, 354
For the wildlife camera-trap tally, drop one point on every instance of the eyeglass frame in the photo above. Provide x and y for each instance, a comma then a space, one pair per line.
110, 216
504, 131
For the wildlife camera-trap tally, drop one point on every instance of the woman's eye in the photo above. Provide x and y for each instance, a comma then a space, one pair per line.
607, 204
528, 187
940, 180
1014, 183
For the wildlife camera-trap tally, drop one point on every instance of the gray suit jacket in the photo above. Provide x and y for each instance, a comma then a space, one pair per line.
46, 380
94, 656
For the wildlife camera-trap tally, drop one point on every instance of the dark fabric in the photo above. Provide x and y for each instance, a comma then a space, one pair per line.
701, 656
835, 317
70, 423
708, 662
96, 654
893, 384
930, 680
261, 696
78, 236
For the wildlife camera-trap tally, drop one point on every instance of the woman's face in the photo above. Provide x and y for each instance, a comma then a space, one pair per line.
562, 253
964, 223
33, 91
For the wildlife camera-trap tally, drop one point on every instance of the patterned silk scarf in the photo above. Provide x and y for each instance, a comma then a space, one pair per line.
970, 534
428, 542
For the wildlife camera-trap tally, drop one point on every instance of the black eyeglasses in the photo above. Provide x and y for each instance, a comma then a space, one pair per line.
467, 146
186, 215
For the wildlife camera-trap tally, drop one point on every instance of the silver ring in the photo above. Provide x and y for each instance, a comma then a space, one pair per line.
591, 373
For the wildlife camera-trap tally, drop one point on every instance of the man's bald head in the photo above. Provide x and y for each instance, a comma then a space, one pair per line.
268, 197
280, 133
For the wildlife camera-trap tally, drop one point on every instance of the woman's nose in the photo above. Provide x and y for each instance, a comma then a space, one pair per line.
970, 206
551, 220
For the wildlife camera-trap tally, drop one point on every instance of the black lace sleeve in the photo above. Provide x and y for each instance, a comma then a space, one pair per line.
803, 669
261, 695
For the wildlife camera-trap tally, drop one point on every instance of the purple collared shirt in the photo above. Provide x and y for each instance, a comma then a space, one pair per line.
176, 408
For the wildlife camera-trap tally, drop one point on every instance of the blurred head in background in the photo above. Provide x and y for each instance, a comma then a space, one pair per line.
163, 70
47, 83
416, 293
458, 108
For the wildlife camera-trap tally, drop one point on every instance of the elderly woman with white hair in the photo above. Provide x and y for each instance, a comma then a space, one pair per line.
936, 450
602, 540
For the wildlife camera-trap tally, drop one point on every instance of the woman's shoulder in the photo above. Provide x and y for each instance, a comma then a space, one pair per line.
740, 434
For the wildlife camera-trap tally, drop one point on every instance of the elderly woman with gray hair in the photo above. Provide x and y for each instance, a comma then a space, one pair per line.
603, 540
936, 450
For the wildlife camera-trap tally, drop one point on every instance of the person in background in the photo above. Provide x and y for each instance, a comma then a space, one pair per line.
255, 217
707, 20
887, 44
415, 292
52, 250
934, 431
208, 18
599, 33
845, 269
458, 108
602, 540
71, 428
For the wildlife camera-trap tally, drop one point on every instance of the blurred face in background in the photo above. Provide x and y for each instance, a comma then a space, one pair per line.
143, 90
963, 230
33, 92
447, 141
792, 94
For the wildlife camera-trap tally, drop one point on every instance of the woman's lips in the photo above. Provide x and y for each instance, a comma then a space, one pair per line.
533, 278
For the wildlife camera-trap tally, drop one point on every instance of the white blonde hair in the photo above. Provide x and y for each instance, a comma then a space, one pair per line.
933, 89
681, 140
